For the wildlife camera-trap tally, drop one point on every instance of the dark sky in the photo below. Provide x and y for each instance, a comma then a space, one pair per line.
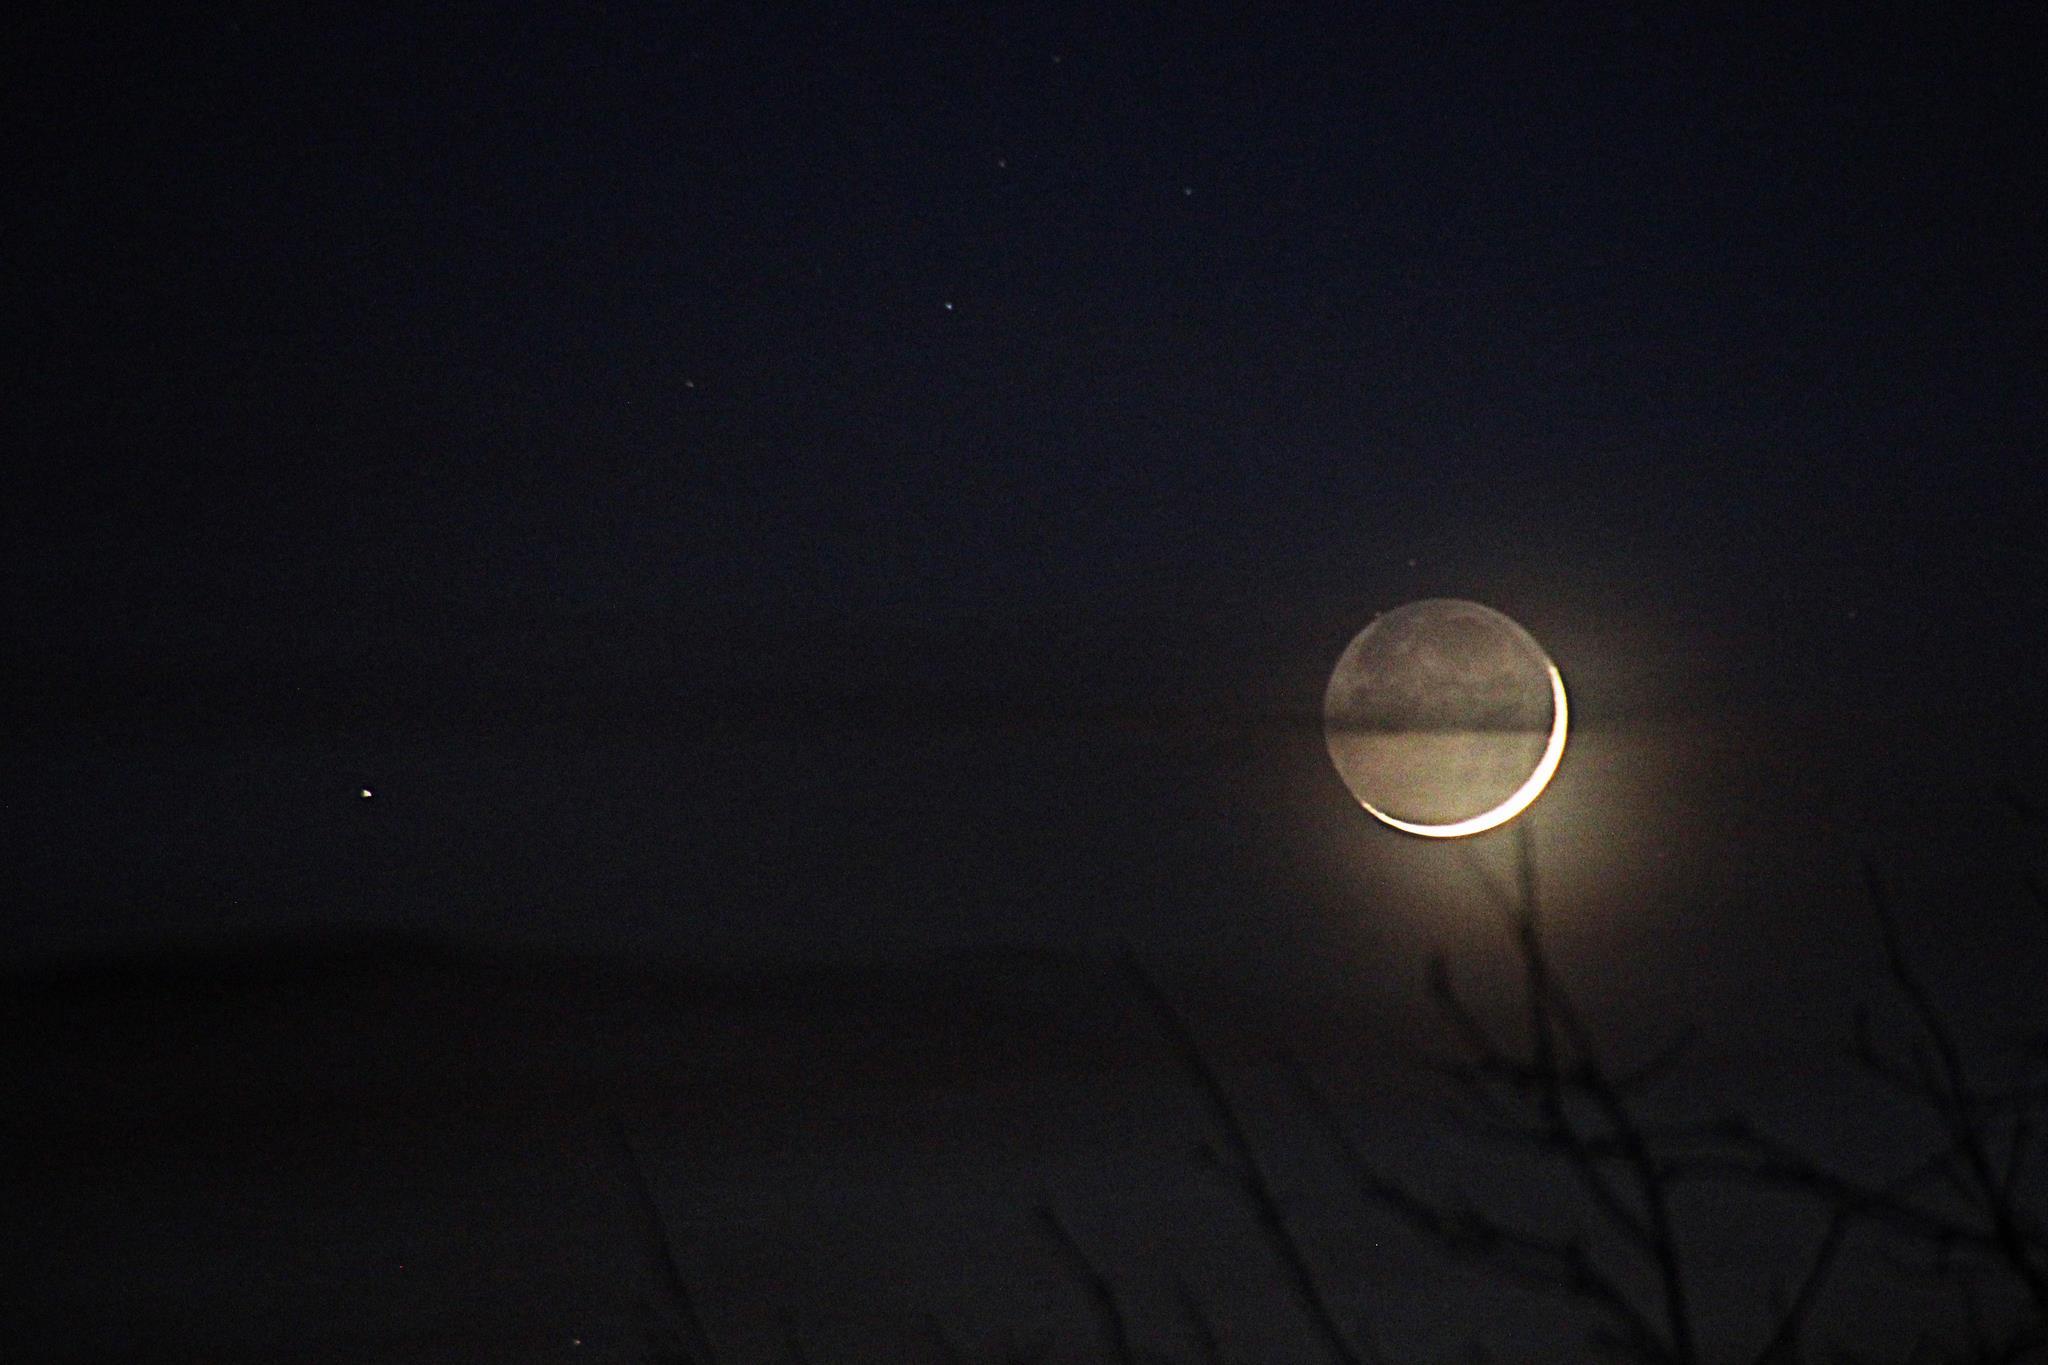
843, 485
442, 382
1032, 313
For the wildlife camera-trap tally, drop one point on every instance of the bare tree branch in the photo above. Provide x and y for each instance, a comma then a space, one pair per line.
1782, 1346
1562, 1267
1198, 1319
1956, 1105
660, 1251
1101, 1294
1246, 1166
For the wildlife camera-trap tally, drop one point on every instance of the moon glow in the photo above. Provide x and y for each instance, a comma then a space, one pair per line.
1445, 718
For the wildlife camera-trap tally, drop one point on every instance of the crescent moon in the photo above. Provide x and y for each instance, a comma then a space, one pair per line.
1538, 779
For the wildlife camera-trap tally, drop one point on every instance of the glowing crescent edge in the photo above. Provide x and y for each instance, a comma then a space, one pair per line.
1553, 754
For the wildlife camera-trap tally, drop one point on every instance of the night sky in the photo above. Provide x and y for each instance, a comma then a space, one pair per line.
695, 572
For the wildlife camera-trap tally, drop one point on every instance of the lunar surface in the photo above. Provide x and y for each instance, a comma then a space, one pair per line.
1444, 718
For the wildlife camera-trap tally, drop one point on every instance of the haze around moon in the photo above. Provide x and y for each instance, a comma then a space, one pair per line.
1444, 718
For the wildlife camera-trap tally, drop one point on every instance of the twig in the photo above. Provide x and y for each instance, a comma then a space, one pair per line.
1250, 1171
1955, 1103
1653, 1231
1562, 1267
1783, 1343
1115, 1327
660, 1251
1205, 1330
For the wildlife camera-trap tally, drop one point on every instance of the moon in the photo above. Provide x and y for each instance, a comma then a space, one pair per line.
1444, 718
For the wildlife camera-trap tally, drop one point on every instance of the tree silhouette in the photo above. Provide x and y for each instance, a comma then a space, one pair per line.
1957, 1213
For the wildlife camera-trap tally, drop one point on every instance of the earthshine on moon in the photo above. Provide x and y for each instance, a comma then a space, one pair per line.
1444, 718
